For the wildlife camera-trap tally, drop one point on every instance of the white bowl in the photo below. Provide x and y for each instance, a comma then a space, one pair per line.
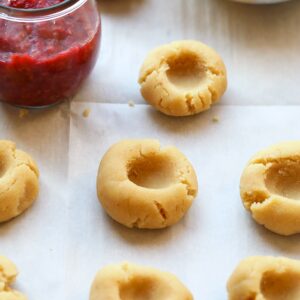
260, 1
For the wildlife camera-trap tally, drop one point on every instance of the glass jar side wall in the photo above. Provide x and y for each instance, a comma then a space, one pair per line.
42, 63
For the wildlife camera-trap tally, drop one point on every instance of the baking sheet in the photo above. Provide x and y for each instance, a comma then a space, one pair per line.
61, 242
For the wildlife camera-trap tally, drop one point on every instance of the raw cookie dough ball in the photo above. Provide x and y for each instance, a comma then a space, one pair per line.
183, 78
8, 274
131, 282
18, 181
143, 185
265, 278
270, 188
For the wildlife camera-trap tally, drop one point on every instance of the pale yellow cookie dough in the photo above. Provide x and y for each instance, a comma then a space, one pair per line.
18, 181
131, 282
183, 78
270, 188
265, 278
143, 185
8, 274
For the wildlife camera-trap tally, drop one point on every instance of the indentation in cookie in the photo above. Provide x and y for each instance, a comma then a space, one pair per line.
127, 281
284, 179
281, 286
155, 172
186, 71
141, 288
3, 165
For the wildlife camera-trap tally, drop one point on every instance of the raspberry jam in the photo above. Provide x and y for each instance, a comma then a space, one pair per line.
44, 59
29, 3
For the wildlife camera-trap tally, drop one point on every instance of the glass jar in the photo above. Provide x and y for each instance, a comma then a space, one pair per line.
46, 52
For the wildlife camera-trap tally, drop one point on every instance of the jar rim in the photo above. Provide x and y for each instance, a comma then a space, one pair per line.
39, 14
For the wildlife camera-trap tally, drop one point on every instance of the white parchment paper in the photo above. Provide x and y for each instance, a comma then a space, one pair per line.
35, 240
61, 242
259, 44
216, 234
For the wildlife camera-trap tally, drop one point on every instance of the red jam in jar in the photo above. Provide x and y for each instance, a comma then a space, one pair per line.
47, 49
